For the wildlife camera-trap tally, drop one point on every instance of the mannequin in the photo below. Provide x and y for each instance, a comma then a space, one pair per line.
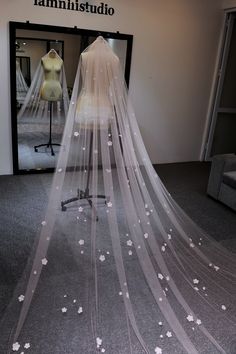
92, 104
51, 89
47, 98
94, 109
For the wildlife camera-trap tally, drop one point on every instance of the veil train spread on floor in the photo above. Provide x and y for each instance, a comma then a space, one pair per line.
118, 266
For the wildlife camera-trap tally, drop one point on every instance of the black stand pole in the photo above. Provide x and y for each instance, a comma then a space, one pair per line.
49, 144
85, 194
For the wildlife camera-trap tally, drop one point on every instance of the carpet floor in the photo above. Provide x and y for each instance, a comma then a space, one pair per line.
22, 208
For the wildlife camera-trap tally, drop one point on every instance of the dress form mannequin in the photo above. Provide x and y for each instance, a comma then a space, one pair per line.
93, 106
51, 89
94, 111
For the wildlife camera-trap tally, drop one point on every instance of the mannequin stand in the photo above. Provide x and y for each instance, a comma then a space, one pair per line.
49, 144
86, 194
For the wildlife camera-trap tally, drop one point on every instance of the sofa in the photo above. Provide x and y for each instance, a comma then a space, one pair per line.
222, 179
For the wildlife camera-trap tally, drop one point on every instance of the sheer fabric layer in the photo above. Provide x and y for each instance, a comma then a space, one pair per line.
122, 265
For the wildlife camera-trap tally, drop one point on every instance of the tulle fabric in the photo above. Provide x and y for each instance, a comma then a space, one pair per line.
21, 85
122, 269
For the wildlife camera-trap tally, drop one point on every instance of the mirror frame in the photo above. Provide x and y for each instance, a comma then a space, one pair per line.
13, 27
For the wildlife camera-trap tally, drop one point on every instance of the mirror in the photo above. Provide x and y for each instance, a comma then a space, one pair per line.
28, 44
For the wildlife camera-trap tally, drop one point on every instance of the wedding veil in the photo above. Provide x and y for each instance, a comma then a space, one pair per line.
119, 267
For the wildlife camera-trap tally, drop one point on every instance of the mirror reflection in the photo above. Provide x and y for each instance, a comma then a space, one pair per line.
41, 113
22, 78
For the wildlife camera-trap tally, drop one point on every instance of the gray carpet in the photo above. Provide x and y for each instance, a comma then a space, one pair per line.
29, 158
23, 202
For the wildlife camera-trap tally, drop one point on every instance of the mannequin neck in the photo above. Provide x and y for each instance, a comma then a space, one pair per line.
52, 54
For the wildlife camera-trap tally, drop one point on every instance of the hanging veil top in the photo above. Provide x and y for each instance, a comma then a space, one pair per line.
99, 67
118, 266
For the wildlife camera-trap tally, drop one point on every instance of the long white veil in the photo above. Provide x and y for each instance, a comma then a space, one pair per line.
118, 267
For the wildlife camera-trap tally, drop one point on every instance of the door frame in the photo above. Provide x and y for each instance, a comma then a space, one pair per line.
217, 86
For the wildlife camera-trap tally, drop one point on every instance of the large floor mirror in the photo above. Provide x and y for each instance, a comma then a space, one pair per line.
28, 44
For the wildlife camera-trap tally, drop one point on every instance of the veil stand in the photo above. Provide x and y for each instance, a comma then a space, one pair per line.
85, 194
49, 144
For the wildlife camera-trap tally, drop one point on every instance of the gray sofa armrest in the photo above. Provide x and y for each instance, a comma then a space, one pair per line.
220, 164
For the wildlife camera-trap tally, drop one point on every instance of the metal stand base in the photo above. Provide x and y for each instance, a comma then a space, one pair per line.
50, 144
86, 194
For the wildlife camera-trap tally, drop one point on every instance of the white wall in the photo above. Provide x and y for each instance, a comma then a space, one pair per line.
174, 52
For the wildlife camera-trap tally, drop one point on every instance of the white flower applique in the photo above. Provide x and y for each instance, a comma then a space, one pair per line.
44, 261
190, 318
169, 236
102, 258
21, 298
81, 242
109, 204
99, 342
158, 350
15, 347
27, 345
80, 310
169, 334
129, 243
64, 310
109, 143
